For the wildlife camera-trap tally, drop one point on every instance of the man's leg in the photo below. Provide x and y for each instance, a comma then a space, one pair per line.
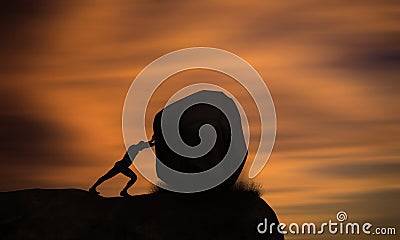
129, 173
111, 173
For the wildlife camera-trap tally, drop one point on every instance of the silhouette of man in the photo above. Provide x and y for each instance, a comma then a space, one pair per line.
122, 166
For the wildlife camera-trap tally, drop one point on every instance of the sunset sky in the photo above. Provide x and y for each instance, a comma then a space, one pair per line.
332, 69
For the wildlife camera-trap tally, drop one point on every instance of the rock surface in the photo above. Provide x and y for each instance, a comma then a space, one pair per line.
77, 214
211, 110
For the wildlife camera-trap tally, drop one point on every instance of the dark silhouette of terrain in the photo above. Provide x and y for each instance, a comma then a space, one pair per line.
77, 214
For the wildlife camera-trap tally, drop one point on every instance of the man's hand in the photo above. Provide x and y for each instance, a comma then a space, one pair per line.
152, 142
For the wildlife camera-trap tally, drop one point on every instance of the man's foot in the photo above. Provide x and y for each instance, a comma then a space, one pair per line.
125, 194
93, 190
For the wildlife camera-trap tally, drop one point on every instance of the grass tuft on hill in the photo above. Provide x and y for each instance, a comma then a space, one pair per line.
249, 187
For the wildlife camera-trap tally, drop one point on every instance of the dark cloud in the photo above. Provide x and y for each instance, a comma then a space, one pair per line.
369, 52
23, 27
30, 145
358, 170
17, 20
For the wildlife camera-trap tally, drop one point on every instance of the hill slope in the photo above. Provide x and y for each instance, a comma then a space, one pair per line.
77, 214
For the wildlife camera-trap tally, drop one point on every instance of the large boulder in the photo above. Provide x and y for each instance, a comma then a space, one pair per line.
189, 115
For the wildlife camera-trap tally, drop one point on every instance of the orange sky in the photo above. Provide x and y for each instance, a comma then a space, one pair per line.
332, 69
